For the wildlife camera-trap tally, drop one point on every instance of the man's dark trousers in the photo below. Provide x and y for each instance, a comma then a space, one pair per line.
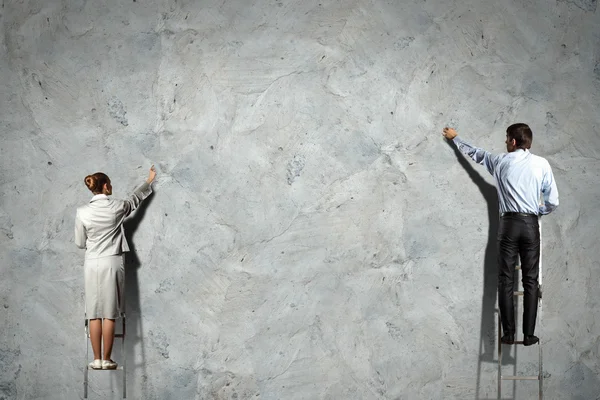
518, 236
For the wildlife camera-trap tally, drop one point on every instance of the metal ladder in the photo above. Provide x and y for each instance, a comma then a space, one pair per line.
540, 376
120, 367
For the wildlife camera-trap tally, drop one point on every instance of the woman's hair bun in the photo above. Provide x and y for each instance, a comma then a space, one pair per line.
95, 182
91, 182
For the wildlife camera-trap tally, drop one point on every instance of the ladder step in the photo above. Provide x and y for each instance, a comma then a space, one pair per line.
520, 378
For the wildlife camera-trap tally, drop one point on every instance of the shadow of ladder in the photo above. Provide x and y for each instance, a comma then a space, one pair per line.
484, 358
121, 367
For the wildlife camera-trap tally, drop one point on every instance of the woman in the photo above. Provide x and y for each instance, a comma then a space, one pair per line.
99, 230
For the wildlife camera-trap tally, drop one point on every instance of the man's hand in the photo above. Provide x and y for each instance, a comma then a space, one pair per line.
449, 133
151, 175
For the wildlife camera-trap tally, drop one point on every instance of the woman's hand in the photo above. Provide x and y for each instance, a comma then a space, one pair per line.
151, 175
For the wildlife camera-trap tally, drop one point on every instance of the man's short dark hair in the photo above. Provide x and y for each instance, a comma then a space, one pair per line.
522, 135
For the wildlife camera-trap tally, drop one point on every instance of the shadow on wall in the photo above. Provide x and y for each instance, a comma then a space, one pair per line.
487, 332
134, 337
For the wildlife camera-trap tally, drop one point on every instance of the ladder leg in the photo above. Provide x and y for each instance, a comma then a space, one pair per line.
124, 359
541, 374
85, 366
499, 356
541, 365
518, 317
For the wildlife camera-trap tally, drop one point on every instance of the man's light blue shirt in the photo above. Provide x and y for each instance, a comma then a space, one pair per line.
521, 179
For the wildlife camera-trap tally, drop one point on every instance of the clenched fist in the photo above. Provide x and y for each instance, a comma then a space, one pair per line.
449, 133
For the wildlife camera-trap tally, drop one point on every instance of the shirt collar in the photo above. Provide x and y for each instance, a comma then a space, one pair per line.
98, 197
520, 151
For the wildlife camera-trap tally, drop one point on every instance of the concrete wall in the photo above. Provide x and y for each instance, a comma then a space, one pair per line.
311, 235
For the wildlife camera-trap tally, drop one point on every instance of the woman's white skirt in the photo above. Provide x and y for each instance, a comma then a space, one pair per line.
104, 287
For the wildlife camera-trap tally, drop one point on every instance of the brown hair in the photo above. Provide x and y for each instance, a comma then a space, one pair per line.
522, 135
96, 182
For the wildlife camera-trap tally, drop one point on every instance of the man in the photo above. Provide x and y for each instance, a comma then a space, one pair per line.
521, 180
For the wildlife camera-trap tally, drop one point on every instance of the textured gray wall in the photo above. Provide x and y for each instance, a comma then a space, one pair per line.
312, 236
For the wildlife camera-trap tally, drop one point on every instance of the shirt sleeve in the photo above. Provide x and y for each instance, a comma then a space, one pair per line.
139, 194
480, 156
80, 233
549, 192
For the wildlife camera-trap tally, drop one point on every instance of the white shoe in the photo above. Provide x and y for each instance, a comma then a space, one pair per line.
109, 364
96, 364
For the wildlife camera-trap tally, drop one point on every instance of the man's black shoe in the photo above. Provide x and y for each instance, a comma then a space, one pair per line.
508, 339
529, 340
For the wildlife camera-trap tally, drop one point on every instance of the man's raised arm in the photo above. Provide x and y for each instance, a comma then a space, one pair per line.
480, 156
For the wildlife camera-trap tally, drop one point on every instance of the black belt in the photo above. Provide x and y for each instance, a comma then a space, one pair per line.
518, 214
